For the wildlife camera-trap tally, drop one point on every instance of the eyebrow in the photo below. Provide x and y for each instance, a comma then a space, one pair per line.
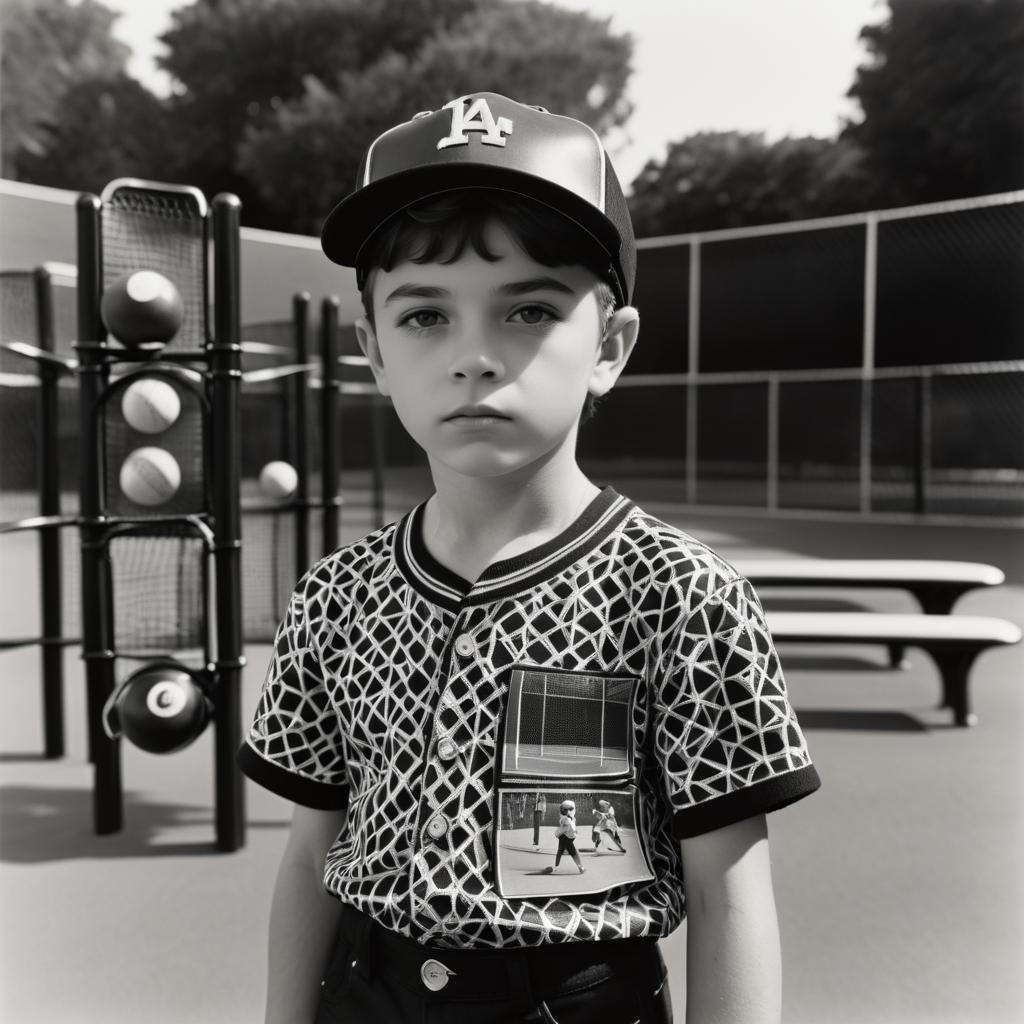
532, 284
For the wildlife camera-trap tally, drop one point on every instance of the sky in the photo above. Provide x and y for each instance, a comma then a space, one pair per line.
781, 67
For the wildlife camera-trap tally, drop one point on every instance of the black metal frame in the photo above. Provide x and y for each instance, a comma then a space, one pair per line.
221, 354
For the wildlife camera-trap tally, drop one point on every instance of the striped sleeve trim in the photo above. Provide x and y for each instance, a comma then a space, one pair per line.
762, 798
319, 796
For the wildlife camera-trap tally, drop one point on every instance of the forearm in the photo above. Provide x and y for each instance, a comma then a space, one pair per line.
733, 964
303, 926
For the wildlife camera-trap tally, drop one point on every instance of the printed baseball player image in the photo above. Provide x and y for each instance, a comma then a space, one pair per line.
566, 836
521, 630
605, 825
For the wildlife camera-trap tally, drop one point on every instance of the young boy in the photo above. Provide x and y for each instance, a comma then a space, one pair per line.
566, 836
496, 261
604, 822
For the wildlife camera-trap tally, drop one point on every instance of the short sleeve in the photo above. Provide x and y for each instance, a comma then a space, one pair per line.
293, 747
727, 739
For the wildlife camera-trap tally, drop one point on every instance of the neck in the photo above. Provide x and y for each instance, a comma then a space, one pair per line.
471, 522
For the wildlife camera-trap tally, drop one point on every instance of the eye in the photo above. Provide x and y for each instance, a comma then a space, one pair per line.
534, 315
421, 319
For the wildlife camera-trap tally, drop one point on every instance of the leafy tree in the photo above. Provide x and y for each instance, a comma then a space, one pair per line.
943, 100
731, 179
307, 155
107, 128
237, 63
49, 48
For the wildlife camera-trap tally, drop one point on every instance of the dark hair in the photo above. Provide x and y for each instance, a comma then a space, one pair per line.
441, 228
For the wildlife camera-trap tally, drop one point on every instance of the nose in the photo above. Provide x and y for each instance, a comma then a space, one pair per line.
473, 359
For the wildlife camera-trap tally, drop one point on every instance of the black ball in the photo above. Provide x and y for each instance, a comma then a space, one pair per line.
142, 307
162, 710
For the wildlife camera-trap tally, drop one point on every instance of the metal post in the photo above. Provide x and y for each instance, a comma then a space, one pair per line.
300, 451
225, 467
922, 439
97, 591
868, 358
692, 370
772, 443
330, 424
52, 651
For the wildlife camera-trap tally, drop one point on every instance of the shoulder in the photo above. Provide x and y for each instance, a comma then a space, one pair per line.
350, 570
666, 557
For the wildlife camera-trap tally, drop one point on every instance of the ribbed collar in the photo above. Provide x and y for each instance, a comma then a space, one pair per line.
509, 576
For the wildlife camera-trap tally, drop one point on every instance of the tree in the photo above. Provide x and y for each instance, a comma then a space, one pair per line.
307, 155
718, 180
943, 100
49, 48
107, 128
237, 63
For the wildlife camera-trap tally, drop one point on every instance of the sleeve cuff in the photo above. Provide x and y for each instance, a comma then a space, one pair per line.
320, 796
761, 798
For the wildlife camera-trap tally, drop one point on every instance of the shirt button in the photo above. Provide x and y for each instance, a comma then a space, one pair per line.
464, 645
446, 749
437, 827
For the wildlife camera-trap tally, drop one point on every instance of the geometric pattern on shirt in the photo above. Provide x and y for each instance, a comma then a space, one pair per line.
366, 679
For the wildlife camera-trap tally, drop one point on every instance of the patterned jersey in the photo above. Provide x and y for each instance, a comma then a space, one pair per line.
622, 660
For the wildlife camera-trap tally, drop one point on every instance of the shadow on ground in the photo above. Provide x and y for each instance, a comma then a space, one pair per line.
857, 719
40, 824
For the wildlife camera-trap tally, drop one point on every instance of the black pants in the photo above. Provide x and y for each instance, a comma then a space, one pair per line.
378, 977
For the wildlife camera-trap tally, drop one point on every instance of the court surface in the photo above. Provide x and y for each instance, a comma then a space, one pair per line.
899, 884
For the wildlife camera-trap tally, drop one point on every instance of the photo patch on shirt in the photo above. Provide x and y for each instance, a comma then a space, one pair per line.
553, 842
568, 725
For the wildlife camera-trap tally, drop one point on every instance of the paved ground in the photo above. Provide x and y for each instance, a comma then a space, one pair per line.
899, 883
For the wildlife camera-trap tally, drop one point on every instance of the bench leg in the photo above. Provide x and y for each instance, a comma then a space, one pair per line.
898, 656
954, 667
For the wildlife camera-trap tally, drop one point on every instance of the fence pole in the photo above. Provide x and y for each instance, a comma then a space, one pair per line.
692, 370
868, 358
773, 442
922, 439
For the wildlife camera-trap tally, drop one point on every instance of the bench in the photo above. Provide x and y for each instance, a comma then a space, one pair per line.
952, 641
935, 584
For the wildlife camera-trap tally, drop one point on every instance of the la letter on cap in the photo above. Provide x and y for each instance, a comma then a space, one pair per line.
477, 118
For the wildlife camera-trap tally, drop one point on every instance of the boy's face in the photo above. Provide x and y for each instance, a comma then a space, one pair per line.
489, 363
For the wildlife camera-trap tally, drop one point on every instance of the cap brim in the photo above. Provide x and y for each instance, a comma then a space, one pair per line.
355, 219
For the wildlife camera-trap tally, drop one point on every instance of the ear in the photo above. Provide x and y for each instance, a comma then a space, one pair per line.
616, 345
367, 338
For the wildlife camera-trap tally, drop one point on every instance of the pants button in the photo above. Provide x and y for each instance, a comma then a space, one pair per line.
435, 975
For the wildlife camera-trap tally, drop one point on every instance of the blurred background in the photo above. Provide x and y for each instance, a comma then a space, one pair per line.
831, 240
829, 197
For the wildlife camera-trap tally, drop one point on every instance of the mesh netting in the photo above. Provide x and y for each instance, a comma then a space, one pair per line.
732, 450
949, 287
819, 468
783, 301
160, 593
150, 229
183, 440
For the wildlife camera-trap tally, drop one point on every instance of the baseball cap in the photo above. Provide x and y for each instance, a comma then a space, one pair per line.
484, 140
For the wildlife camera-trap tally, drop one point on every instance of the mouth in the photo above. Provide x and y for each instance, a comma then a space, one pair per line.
475, 412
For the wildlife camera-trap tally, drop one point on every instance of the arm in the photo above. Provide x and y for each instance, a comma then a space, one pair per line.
733, 961
303, 919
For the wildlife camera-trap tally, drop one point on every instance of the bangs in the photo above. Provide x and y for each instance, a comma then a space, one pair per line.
442, 228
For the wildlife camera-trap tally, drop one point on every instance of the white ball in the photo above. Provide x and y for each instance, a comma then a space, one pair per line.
150, 405
150, 476
279, 480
